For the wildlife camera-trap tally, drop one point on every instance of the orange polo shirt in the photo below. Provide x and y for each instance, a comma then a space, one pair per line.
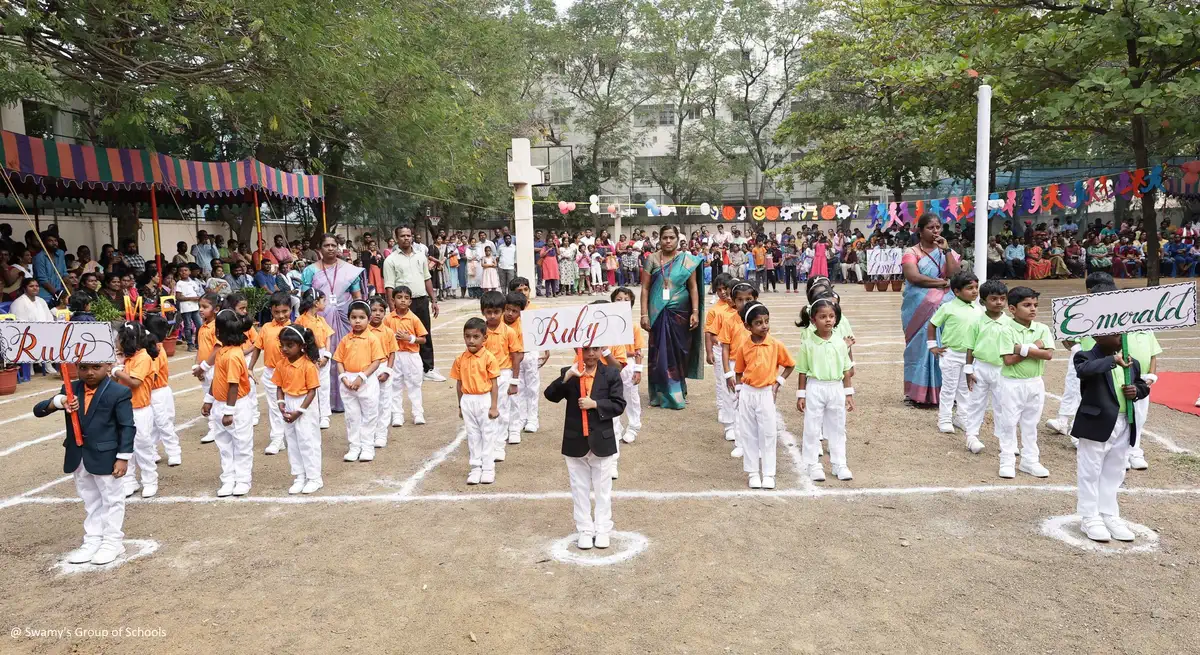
230, 367
760, 257
206, 341
161, 375
320, 329
503, 341
759, 362
253, 340
476, 371
717, 316
410, 324
268, 341
356, 351
732, 331
140, 367
386, 338
296, 378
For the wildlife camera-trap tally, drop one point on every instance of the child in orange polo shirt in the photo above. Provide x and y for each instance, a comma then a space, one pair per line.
732, 333
206, 345
532, 362
227, 401
407, 371
312, 303
476, 370
297, 381
387, 341
757, 362
359, 355
631, 376
507, 346
161, 397
268, 340
140, 350
721, 311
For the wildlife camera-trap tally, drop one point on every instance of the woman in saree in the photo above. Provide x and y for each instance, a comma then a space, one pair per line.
927, 268
1076, 259
1058, 265
341, 282
1099, 256
672, 304
1036, 266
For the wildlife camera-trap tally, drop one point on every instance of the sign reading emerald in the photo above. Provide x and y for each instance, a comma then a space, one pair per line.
1128, 310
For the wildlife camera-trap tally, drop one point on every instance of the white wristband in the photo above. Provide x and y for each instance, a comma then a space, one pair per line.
298, 410
635, 368
969, 369
849, 391
324, 353
228, 411
1025, 350
514, 382
800, 393
780, 380
931, 344
737, 388
606, 352
60, 401
208, 399
412, 338
729, 374
204, 366
1150, 378
1076, 348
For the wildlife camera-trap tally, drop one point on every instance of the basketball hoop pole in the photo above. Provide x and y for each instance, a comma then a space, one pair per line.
522, 175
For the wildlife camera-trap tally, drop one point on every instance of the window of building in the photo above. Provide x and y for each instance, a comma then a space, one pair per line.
690, 112
558, 116
610, 169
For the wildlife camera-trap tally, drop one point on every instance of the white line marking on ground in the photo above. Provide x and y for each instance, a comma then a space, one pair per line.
1165, 442
1066, 529
134, 549
434, 460
35, 491
33, 442
624, 546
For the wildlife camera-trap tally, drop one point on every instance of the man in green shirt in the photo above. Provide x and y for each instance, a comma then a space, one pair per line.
955, 319
1027, 347
984, 360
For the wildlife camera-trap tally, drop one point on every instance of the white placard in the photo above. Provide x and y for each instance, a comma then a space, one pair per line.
578, 326
1128, 310
60, 342
884, 261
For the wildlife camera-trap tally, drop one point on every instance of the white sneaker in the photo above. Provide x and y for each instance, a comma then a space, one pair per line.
352, 454
241, 488
730, 435
324, 422
208, 438
225, 490
1117, 528
974, 445
297, 485
629, 437
131, 487
1008, 471
174, 460
1060, 425
584, 542
149, 491
367, 455
398, 423
107, 553
1137, 464
768, 482
256, 417
514, 437
816, 473
946, 428
83, 554
1074, 442
434, 376
381, 442
475, 476
737, 452
157, 458
843, 473
1093, 528
312, 486
958, 423
601, 540
1033, 468
615, 475
488, 477
531, 427
499, 455
420, 420
273, 448
755, 481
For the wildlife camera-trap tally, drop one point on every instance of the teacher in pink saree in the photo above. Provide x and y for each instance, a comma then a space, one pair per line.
341, 282
927, 268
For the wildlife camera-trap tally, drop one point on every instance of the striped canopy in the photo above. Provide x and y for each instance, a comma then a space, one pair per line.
53, 168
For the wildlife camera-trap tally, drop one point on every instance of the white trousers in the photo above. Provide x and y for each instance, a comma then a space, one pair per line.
597, 276
104, 501
325, 409
954, 385
1021, 404
726, 400
633, 406
274, 416
824, 416
235, 443
362, 411
1071, 395
144, 448
480, 430
526, 407
303, 439
591, 475
758, 429
504, 404
163, 402
1100, 470
383, 421
407, 376
212, 416
987, 387
1141, 410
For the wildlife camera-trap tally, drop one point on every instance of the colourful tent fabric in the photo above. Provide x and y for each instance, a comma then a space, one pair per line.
54, 168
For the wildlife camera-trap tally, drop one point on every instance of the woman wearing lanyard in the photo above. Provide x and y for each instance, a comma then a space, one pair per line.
340, 282
671, 309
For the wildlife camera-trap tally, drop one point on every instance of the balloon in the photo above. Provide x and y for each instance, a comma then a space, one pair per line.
562, 206
666, 210
613, 209
593, 198
595, 209
704, 208
570, 206
651, 208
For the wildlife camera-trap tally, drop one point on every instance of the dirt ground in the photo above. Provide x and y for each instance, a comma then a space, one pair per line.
925, 551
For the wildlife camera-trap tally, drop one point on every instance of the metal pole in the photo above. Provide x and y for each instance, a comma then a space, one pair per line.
983, 149
157, 243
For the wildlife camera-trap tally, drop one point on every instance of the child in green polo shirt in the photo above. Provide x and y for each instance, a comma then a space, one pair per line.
955, 318
984, 360
1026, 348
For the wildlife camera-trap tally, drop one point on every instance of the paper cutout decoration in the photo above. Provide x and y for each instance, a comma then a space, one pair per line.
1155, 183
873, 218
1124, 186
1066, 197
1052, 199
904, 214
995, 206
1137, 181
844, 212
704, 208
828, 212
773, 213
967, 210
728, 212
1010, 204
935, 208
1080, 193
785, 213
952, 209
742, 214
1191, 172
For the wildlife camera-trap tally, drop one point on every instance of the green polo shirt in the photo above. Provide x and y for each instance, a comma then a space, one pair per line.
1142, 347
986, 336
956, 319
841, 330
1029, 367
824, 360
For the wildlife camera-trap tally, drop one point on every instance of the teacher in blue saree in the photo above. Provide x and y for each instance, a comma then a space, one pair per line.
672, 304
927, 268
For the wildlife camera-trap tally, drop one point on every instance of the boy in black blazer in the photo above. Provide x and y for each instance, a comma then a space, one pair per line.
594, 398
106, 418
1105, 435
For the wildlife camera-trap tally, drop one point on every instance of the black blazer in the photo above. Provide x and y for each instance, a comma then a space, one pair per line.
108, 428
1098, 406
610, 403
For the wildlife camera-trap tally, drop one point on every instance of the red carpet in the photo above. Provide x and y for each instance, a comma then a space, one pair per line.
1177, 391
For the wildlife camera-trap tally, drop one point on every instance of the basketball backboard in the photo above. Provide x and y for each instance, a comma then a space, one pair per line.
557, 164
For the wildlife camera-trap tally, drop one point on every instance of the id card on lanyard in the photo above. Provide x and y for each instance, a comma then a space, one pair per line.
666, 289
